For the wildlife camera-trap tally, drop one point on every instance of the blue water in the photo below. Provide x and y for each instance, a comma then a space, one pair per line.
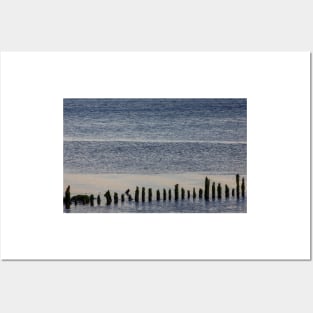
157, 136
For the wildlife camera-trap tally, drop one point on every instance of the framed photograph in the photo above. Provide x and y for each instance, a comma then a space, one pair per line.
156, 155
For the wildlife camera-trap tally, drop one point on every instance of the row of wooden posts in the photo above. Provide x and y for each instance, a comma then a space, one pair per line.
215, 191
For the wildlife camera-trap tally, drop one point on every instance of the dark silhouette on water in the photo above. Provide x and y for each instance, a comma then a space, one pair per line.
150, 194
243, 188
219, 191
226, 192
143, 194
115, 198
176, 192
137, 194
68, 198
194, 195
91, 200
108, 197
85, 199
158, 195
237, 186
207, 189
200, 193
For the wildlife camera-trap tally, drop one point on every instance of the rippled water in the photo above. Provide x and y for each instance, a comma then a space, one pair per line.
155, 135
231, 205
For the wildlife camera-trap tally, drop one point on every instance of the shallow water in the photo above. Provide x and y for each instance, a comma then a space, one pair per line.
231, 205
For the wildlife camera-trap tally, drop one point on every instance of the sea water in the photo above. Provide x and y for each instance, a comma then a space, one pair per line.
156, 137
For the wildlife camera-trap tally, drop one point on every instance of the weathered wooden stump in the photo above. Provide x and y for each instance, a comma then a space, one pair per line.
68, 198
169, 194
83, 199
164, 194
207, 189
122, 198
108, 197
182, 193
194, 195
115, 198
130, 198
226, 192
143, 194
98, 200
158, 197
233, 192
188, 194
176, 192
237, 186
200, 193
92, 198
219, 191
243, 188
150, 194
137, 194
213, 191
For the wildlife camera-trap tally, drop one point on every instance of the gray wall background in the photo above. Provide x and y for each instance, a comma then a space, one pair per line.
245, 286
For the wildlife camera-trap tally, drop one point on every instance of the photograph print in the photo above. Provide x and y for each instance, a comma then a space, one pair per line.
155, 155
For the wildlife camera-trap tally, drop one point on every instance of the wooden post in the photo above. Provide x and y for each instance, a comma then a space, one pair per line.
108, 197
150, 194
158, 195
233, 192
207, 189
188, 194
143, 194
98, 200
243, 187
200, 193
182, 193
137, 194
130, 198
92, 198
226, 192
213, 191
68, 198
237, 186
194, 195
115, 198
164, 195
176, 192
219, 191
122, 198
169, 194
